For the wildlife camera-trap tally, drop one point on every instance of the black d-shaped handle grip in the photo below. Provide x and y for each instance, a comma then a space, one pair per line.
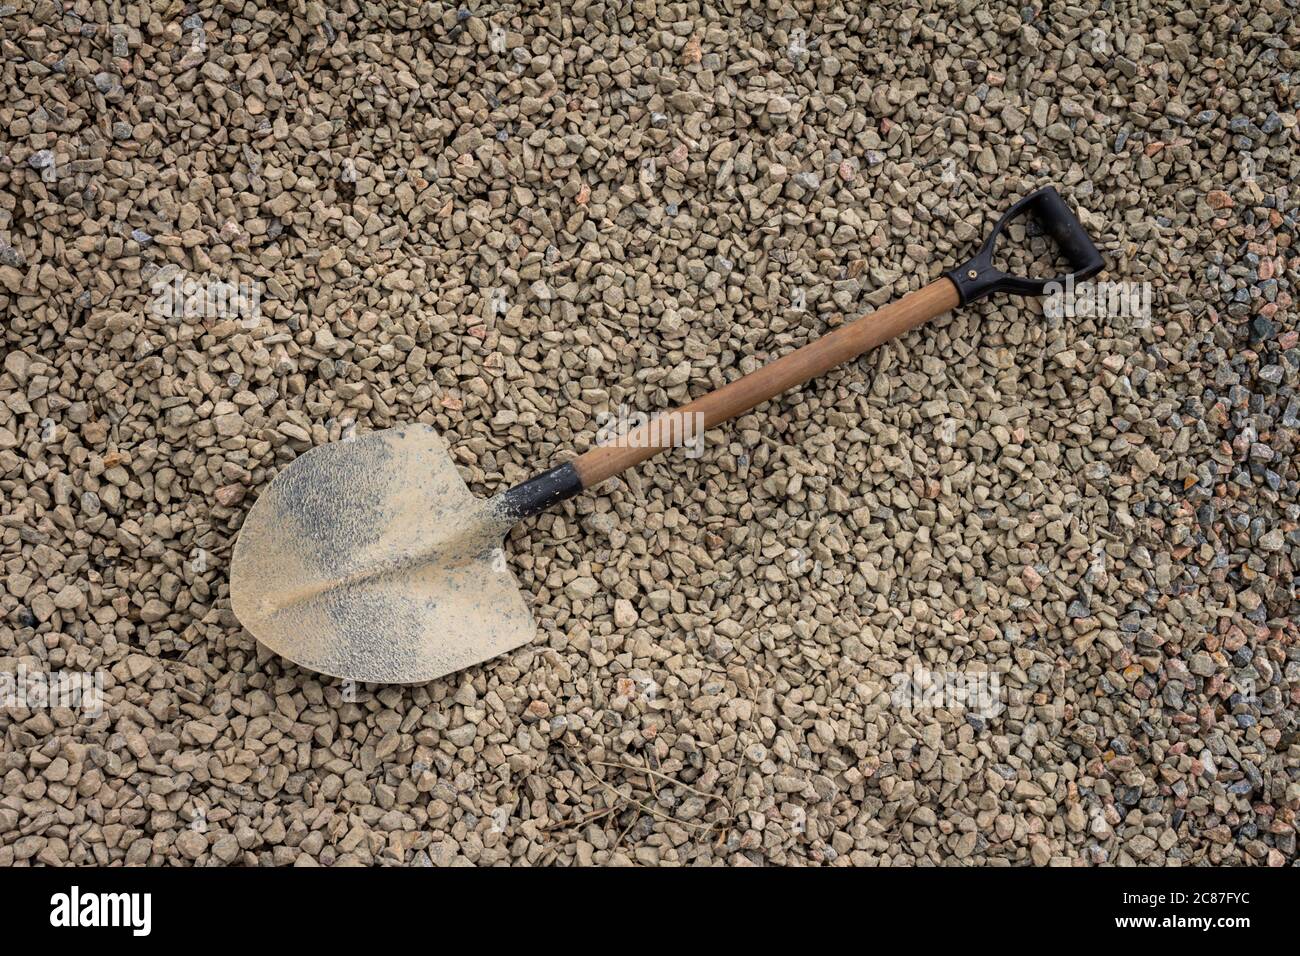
977, 278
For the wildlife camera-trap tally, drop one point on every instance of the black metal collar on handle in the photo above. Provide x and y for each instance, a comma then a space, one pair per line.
977, 278
537, 494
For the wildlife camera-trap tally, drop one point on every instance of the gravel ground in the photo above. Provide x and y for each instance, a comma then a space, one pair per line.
506, 224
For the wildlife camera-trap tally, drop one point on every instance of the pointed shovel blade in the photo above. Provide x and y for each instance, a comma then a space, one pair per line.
369, 559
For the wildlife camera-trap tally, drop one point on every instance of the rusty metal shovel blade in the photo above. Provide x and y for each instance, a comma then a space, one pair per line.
370, 560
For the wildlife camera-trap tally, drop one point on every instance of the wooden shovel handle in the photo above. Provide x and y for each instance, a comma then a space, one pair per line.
834, 348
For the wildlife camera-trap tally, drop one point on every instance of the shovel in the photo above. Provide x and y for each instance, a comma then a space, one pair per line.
369, 559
